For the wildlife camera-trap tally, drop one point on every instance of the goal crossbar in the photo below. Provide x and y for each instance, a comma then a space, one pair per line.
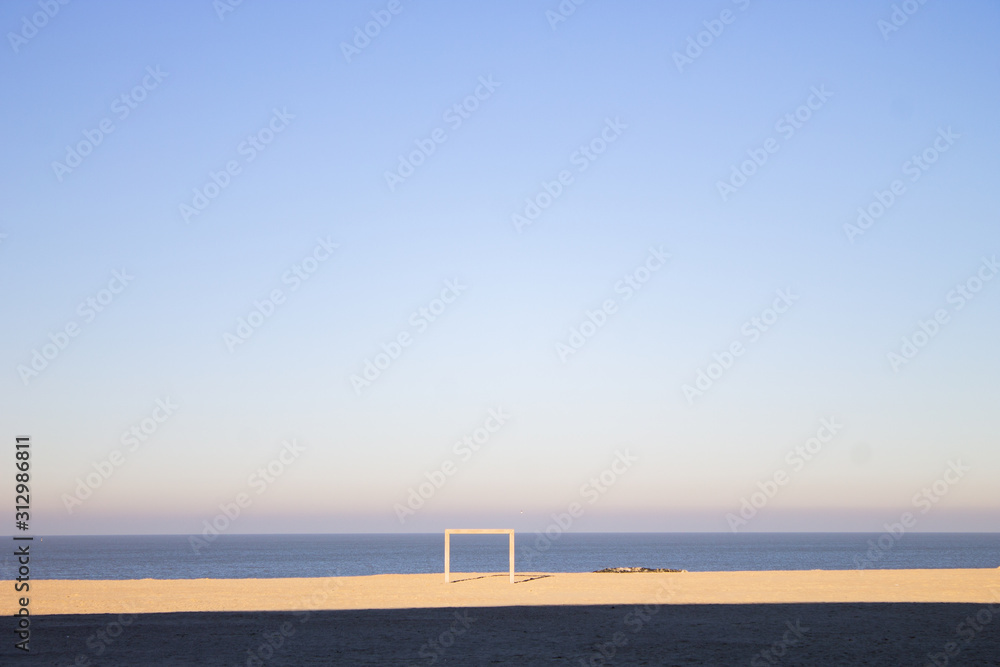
474, 531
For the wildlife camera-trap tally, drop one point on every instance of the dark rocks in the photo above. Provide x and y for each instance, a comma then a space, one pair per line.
618, 570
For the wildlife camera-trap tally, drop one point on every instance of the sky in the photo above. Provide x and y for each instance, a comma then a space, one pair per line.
389, 266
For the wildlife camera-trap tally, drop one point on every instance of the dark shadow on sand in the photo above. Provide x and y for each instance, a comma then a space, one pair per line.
722, 634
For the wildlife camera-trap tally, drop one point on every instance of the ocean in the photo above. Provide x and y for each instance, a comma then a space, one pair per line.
267, 556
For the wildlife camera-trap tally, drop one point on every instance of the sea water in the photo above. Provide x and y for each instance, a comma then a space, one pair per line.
246, 556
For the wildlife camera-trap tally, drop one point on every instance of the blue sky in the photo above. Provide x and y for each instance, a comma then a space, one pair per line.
642, 140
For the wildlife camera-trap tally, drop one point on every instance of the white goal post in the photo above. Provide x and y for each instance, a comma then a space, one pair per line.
474, 531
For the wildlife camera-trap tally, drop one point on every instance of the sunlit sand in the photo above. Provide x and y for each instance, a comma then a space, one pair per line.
402, 591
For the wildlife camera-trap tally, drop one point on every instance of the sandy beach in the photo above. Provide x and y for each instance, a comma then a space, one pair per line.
404, 591
887, 617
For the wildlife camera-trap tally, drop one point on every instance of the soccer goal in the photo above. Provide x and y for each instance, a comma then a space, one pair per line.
474, 531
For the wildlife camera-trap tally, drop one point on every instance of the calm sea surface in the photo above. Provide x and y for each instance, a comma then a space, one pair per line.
239, 556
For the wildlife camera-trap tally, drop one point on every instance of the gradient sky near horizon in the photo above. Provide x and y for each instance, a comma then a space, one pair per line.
887, 96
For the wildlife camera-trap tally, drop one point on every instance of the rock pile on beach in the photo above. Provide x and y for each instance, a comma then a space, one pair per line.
618, 570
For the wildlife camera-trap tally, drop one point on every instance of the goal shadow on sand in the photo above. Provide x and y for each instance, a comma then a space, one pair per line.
526, 579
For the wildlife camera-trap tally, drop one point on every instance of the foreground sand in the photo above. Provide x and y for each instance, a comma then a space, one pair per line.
411, 591
760, 635
889, 617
